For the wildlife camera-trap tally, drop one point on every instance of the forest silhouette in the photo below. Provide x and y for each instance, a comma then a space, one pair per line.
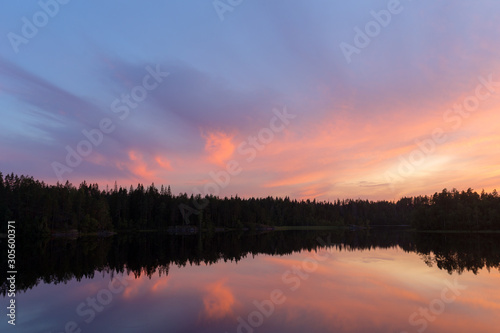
40, 209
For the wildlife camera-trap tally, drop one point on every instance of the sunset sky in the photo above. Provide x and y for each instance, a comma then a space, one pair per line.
308, 99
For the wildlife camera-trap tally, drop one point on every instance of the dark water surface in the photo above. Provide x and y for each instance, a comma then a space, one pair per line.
291, 281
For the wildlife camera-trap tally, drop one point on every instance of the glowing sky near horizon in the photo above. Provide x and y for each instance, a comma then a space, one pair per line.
413, 110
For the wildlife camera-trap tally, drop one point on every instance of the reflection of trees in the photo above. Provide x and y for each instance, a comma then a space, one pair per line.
60, 260
459, 252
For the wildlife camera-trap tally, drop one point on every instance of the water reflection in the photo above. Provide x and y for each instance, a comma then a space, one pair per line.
270, 282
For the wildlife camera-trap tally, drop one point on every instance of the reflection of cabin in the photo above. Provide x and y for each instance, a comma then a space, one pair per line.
182, 230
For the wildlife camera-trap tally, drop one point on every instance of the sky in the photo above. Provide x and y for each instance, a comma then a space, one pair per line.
308, 99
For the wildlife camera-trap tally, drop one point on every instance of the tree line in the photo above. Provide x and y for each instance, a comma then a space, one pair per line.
39, 208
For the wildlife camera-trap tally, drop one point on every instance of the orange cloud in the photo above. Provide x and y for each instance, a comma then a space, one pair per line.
297, 180
219, 147
164, 163
139, 167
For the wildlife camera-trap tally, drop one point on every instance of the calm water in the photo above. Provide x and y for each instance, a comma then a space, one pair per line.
274, 282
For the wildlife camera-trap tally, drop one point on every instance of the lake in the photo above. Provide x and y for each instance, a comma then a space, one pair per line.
289, 281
